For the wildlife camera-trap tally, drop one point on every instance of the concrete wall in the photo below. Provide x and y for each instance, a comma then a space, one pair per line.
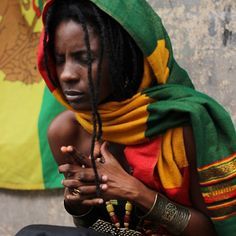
203, 34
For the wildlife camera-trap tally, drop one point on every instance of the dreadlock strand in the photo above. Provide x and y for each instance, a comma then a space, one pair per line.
134, 72
101, 30
93, 101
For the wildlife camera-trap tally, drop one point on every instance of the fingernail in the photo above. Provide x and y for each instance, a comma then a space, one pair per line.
104, 178
100, 201
103, 186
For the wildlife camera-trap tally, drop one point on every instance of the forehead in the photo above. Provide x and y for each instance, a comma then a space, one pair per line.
70, 34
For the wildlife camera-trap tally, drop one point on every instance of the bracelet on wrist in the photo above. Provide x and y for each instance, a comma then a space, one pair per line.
172, 216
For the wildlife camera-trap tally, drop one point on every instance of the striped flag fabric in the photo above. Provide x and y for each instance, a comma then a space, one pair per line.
26, 105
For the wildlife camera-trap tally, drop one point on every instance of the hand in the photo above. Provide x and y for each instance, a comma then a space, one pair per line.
73, 171
115, 181
76, 157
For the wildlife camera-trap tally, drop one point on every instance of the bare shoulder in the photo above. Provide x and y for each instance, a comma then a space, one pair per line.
63, 126
63, 131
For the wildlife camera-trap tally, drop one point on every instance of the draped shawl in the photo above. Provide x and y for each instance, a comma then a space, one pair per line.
161, 110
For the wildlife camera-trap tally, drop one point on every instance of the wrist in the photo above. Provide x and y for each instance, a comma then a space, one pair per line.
142, 196
74, 211
170, 215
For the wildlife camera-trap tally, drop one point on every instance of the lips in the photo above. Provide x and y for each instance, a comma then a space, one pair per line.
73, 95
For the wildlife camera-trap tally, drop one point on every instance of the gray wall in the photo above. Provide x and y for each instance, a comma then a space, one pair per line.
203, 34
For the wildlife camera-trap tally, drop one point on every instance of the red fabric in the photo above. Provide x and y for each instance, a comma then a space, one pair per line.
143, 159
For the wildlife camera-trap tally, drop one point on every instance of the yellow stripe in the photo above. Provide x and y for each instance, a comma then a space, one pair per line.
172, 159
219, 206
122, 122
227, 159
218, 180
220, 218
19, 145
59, 97
159, 62
147, 76
221, 191
224, 170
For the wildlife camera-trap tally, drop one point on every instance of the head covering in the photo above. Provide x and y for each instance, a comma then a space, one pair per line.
172, 103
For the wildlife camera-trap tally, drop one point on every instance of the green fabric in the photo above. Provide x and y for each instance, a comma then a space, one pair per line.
177, 105
49, 110
146, 31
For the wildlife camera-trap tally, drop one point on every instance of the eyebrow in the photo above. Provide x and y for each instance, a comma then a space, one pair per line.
80, 52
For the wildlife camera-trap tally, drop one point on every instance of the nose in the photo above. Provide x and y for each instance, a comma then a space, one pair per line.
68, 72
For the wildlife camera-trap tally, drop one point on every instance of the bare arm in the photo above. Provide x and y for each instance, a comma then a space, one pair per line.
200, 214
200, 223
119, 184
64, 131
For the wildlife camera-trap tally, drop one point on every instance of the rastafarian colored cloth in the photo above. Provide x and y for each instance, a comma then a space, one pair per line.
151, 121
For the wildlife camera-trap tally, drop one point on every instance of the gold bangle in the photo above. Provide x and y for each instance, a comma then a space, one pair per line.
173, 217
151, 209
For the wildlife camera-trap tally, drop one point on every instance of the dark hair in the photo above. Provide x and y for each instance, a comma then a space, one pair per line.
125, 57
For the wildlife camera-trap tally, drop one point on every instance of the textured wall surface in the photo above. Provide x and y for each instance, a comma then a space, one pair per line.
203, 34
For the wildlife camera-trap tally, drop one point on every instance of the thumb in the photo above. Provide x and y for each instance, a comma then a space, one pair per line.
104, 150
97, 149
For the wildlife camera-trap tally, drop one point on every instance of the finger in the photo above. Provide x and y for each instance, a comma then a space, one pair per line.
87, 190
87, 176
105, 152
97, 149
68, 168
77, 173
93, 202
104, 178
71, 183
76, 156
89, 200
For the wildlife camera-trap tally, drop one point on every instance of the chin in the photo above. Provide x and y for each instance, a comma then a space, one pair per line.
80, 107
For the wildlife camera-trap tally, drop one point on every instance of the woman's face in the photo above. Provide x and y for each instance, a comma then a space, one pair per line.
71, 60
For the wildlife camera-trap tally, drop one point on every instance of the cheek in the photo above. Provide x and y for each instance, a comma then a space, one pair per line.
58, 71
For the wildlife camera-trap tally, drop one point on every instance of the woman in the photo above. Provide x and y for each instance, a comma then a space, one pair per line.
140, 149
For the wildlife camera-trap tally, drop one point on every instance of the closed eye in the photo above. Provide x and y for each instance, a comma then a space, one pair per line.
82, 58
59, 59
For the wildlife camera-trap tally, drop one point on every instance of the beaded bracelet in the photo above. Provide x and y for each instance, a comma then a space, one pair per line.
168, 214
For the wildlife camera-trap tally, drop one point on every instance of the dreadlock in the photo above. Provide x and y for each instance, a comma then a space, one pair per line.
125, 58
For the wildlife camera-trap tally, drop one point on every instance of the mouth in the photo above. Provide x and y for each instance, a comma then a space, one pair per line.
73, 95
